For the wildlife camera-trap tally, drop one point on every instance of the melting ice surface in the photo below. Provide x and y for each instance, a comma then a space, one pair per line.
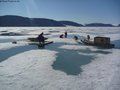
63, 65
6, 40
69, 61
5, 54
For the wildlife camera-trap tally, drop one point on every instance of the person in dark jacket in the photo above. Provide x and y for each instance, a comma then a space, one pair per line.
61, 36
41, 38
88, 37
65, 34
75, 37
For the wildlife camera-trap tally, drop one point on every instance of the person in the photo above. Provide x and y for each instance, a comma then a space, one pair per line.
41, 39
88, 37
61, 36
14, 42
65, 34
75, 37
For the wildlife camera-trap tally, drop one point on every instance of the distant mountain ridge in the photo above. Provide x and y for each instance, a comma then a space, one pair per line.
99, 25
19, 21
10, 20
71, 23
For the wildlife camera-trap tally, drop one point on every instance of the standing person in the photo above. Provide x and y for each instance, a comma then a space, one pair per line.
88, 37
65, 34
41, 39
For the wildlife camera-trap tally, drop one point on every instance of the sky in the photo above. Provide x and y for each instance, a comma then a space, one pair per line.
81, 11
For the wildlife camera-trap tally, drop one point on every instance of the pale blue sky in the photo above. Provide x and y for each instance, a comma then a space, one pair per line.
81, 11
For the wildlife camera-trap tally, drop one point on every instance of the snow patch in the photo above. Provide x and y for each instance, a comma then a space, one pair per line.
5, 46
77, 47
63, 40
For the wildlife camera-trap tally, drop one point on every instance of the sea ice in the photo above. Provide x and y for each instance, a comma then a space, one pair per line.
32, 70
